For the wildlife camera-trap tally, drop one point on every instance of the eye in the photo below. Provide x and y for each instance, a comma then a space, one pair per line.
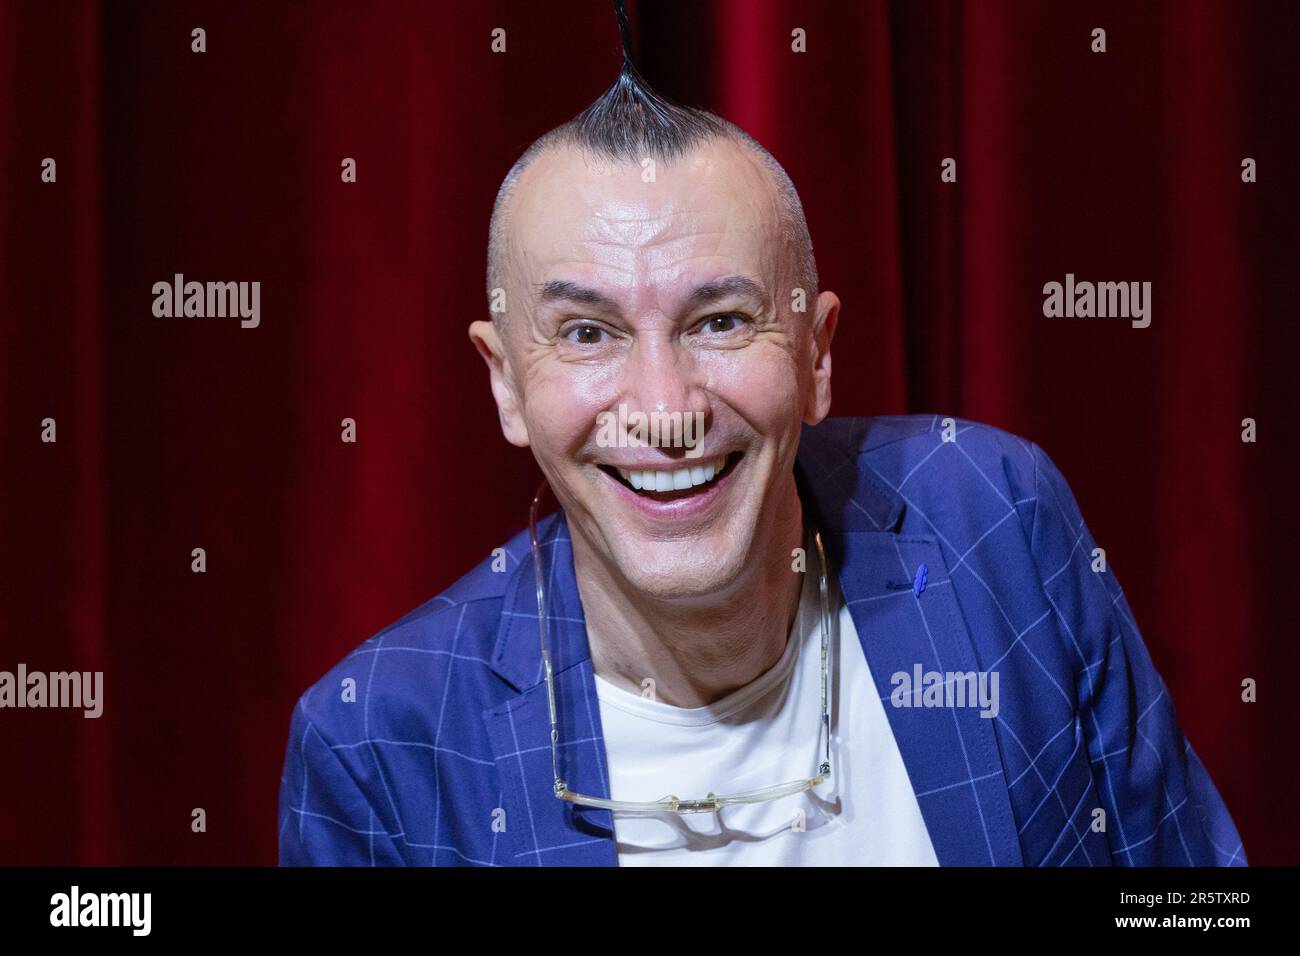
585, 334
722, 324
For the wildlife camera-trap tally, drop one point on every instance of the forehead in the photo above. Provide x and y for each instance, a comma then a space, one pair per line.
716, 209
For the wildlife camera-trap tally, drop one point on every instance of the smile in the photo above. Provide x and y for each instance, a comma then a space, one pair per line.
677, 480
670, 484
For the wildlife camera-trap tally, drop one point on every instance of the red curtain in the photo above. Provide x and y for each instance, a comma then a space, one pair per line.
176, 434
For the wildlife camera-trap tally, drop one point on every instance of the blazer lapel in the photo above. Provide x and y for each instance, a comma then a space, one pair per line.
951, 754
542, 829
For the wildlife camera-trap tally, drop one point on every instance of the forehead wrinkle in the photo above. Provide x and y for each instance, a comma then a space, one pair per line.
647, 215
610, 228
622, 231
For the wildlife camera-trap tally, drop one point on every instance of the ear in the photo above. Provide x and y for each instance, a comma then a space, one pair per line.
824, 324
488, 342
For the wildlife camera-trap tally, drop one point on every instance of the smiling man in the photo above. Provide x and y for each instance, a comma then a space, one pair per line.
761, 645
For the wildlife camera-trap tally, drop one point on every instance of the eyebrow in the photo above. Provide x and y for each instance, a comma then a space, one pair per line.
737, 285
562, 290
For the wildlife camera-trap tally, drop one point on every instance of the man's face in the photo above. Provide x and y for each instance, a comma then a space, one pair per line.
669, 296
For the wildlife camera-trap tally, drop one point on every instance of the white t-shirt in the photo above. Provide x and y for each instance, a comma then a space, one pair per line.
764, 734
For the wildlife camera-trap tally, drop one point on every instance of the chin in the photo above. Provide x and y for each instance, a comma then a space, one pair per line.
677, 571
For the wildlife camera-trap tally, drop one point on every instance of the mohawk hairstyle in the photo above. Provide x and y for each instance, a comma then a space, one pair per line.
629, 122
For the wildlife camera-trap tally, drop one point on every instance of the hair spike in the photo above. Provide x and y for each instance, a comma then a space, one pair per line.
631, 120
624, 30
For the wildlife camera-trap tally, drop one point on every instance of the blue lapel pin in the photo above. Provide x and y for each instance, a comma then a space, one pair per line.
922, 575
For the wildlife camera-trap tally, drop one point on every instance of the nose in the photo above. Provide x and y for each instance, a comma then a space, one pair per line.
661, 375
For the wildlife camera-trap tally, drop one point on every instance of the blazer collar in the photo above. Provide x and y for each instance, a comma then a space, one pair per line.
840, 495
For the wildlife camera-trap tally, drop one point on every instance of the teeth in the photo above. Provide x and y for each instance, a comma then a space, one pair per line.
678, 479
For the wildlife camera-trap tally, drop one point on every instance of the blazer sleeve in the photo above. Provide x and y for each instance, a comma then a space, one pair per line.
1161, 806
325, 818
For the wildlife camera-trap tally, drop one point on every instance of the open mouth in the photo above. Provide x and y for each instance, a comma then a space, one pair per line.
673, 484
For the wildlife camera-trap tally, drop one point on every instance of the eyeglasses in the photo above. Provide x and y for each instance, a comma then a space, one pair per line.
671, 803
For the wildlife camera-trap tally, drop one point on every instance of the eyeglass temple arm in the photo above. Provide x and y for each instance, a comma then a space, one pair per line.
560, 786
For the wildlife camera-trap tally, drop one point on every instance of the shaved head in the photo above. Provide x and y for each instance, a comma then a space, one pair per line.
631, 124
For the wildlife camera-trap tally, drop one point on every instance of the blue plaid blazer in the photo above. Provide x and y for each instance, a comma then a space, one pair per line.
440, 754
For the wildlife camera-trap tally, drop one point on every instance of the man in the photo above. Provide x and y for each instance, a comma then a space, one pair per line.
989, 700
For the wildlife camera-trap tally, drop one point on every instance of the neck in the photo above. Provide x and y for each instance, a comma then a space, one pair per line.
699, 651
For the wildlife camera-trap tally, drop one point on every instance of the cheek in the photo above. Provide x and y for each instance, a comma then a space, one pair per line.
759, 382
563, 401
